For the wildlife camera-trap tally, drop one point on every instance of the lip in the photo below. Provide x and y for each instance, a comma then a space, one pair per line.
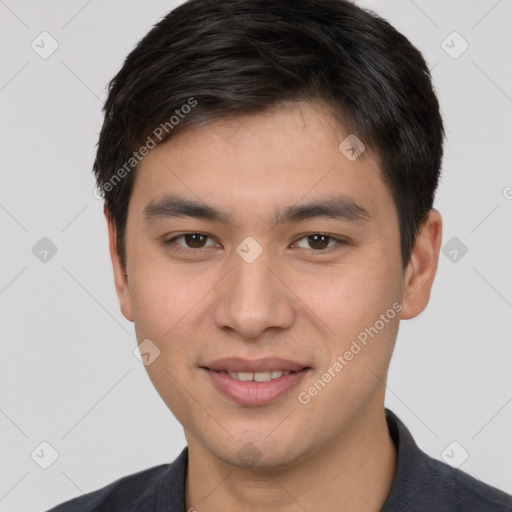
237, 364
252, 393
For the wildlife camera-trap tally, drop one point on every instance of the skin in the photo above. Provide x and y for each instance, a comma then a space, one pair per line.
294, 301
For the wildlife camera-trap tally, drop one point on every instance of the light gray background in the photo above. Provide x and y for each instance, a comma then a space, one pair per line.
68, 374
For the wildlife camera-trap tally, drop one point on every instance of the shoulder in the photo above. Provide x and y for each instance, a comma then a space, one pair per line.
467, 492
115, 496
425, 484
142, 492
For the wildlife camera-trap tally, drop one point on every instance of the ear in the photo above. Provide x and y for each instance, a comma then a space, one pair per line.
120, 275
421, 270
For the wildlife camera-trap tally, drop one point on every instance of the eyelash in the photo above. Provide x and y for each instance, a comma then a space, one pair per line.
178, 248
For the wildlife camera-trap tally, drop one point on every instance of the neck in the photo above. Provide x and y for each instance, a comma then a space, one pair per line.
354, 472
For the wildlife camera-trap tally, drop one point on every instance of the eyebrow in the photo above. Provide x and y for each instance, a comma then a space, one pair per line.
338, 207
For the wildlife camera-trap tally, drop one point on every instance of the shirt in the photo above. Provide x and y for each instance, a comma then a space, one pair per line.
420, 484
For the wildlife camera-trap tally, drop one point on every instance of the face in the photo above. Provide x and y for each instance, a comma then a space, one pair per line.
288, 262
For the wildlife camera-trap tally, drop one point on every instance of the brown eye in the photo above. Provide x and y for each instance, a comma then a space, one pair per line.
319, 242
195, 240
191, 241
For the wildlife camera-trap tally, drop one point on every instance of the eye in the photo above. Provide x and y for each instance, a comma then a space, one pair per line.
319, 242
191, 240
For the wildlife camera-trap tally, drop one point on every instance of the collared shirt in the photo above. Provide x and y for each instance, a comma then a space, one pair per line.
420, 484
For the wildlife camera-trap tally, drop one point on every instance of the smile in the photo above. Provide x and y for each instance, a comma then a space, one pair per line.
264, 376
269, 381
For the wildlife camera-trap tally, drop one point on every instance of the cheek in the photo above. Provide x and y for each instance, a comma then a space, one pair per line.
361, 308
162, 296
351, 297
157, 308
155, 305
170, 308
164, 313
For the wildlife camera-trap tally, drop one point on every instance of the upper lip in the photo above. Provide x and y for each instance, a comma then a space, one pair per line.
236, 364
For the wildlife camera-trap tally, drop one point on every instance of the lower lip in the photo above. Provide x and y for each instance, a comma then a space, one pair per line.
252, 392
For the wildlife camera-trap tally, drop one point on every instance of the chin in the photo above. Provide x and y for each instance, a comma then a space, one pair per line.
255, 453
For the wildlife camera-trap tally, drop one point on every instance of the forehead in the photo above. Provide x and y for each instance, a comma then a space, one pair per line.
292, 154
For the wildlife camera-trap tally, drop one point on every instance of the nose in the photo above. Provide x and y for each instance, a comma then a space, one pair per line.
253, 297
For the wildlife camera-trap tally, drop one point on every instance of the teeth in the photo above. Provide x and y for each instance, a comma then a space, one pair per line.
262, 376
258, 376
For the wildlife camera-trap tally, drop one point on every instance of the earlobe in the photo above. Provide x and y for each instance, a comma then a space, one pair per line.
120, 274
421, 270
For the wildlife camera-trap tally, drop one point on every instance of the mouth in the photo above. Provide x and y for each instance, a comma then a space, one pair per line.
256, 382
264, 376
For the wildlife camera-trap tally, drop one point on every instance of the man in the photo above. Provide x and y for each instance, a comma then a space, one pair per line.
269, 170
